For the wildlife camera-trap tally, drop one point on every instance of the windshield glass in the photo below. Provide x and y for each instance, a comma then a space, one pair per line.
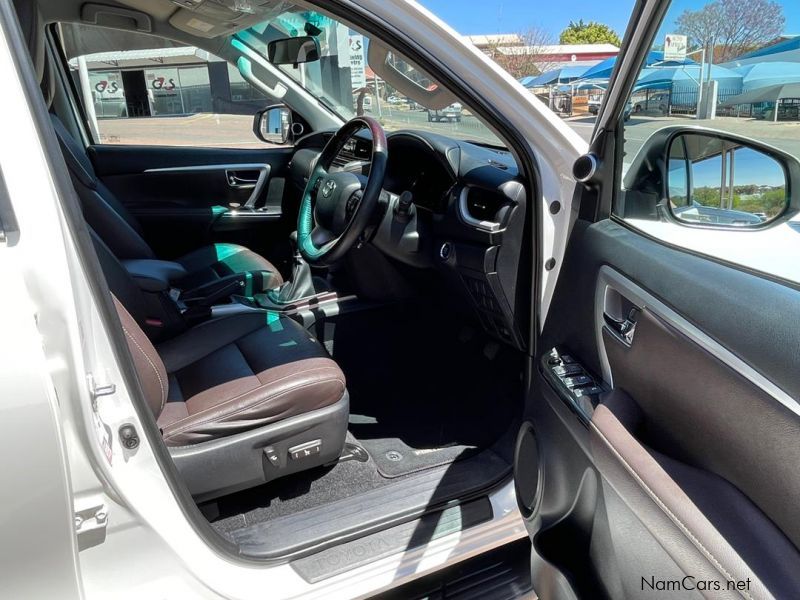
344, 82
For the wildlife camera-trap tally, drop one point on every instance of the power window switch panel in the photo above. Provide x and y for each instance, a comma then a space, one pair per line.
580, 380
305, 450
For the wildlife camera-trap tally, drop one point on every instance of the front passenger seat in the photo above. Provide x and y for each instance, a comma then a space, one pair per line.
241, 400
121, 232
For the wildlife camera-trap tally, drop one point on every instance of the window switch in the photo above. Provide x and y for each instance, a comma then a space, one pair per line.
578, 381
567, 370
589, 390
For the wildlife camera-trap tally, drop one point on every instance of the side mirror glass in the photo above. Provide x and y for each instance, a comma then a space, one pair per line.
273, 124
293, 51
716, 181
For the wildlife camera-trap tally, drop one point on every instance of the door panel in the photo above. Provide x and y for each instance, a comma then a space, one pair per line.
694, 445
211, 194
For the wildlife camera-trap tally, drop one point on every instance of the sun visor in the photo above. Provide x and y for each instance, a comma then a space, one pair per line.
215, 18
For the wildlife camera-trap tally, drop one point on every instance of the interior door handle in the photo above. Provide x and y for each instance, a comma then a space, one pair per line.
239, 182
625, 328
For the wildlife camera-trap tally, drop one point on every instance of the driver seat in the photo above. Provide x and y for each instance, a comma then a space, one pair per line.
241, 400
122, 233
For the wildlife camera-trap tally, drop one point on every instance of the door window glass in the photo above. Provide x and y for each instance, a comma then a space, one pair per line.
159, 92
731, 68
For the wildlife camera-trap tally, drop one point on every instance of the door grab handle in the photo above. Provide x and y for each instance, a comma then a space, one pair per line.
240, 182
625, 328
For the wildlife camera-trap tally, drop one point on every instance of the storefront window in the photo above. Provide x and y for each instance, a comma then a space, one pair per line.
108, 93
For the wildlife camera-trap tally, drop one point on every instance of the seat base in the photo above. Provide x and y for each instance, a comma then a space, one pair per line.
236, 462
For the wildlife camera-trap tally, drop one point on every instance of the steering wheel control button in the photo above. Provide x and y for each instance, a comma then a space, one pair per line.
446, 251
305, 450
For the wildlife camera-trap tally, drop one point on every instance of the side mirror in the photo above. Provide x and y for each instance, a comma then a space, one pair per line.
293, 51
696, 176
719, 181
273, 125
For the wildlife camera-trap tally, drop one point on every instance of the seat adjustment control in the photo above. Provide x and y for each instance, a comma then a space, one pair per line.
307, 449
272, 456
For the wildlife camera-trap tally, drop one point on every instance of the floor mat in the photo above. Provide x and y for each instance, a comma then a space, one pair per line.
295, 493
393, 457
438, 392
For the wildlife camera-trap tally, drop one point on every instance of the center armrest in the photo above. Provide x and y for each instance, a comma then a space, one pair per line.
154, 275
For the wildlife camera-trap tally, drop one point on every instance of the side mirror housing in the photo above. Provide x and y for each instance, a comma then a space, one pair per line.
273, 125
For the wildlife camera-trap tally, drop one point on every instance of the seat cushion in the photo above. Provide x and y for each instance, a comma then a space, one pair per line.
213, 262
240, 372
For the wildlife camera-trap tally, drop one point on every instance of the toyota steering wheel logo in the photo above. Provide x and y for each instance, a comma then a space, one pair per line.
328, 187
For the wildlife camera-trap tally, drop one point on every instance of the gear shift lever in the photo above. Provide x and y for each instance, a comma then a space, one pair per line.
301, 284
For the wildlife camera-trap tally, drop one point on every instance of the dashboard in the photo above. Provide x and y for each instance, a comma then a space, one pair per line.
467, 223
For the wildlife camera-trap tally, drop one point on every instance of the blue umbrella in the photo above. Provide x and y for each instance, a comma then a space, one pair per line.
787, 50
688, 76
603, 69
562, 75
759, 75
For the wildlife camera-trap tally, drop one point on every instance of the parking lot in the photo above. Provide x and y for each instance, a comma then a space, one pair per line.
235, 131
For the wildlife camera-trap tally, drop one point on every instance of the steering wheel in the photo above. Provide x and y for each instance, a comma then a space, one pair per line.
337, 207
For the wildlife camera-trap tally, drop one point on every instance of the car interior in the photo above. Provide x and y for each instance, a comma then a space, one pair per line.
329, 350
338, 337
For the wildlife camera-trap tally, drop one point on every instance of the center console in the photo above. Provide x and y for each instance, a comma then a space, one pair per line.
171, 310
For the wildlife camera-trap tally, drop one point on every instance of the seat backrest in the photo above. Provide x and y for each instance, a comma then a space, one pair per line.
106, 215
148, 364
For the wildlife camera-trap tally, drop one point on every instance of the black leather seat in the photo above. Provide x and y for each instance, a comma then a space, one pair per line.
121, 232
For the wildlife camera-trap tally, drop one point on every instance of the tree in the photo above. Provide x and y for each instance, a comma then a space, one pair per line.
527, 55
732, 27
589, 33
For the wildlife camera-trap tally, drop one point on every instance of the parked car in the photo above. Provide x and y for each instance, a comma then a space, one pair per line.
450, 113
395, 100
487, 362
594, 105
657, 103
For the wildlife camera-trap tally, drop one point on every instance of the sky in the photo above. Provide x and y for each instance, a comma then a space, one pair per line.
470, 17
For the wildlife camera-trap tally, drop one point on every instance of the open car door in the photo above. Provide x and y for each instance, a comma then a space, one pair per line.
660, 453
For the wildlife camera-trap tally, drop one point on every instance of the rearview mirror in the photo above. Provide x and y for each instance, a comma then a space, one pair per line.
293, 51
712, 180
273, 124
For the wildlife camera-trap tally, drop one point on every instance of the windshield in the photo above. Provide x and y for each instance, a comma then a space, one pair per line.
344, 82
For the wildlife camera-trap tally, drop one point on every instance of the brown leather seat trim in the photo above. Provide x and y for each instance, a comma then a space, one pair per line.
224, 412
